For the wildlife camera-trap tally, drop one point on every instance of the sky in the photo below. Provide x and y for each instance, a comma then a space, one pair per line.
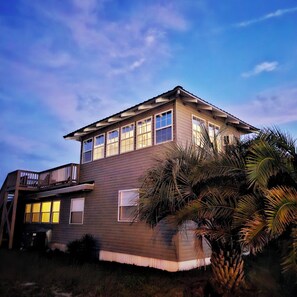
65, 64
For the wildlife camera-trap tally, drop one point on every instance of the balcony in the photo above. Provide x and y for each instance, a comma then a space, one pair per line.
61, 176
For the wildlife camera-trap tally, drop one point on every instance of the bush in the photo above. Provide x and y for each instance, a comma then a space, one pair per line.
82, 250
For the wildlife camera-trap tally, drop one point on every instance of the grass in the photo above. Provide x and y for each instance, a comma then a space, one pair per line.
24, 273
34, 274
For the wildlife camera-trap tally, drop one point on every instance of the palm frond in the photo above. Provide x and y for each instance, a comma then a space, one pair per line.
289, 260
281, 208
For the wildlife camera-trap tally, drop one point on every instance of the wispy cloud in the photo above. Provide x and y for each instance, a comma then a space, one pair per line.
262, 67
271, 107
275, 14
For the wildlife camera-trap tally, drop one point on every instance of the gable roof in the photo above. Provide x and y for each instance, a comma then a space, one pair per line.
171, 95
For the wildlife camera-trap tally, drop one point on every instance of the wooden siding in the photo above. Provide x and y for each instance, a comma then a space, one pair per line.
184, 113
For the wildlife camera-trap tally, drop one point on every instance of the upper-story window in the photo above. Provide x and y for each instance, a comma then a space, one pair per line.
144, 133
213, 131
112, 147
164, 127
99, 143
127, 138
87, 150
197, 130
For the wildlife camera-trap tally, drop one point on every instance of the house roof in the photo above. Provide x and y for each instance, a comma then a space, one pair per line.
171, 95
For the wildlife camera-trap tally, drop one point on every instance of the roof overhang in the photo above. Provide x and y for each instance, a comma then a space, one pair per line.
177, 92
60, 191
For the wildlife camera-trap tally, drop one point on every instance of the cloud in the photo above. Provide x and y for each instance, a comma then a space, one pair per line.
272, 107
275, 14
262, 67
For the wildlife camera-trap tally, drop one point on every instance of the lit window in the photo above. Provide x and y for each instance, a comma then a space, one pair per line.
56, 212
127, 205
77, 210
164, 127
28, 213
144, 133
112, 147
46, 212
127, 138
99, 147
36, 212
214, 136
87, 150
197, 128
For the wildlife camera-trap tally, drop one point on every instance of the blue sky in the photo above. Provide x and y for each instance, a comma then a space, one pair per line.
65, 64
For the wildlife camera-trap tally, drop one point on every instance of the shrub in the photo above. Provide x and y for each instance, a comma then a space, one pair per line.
82, 250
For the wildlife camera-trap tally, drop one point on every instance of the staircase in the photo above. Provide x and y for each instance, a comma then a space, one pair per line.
8, 206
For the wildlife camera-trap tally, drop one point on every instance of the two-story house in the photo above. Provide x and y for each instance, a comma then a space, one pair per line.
98, 195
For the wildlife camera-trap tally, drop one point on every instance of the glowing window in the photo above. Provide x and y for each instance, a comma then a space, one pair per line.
144, 133
112, 147
99, 147
127, 138
36, 212
46, 212
56, 212
28, 213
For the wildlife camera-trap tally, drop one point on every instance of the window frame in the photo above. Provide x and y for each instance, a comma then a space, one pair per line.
158, 129
100, 145
52, 211
120, 205
219, 128
133, 138
140, 134
107, 144
83, 151
83, 211
205, 125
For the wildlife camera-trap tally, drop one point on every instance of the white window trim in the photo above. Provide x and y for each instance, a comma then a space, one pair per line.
136, 134
127, 190
100, 145
120, 138
83, 212
91, 150
107, 156
155, 124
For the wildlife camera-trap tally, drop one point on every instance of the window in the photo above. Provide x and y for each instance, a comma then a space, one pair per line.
144, 133
87, 150
112, 147
164, 127
56, 212
127, 204
46, 212
127, 138
36, 212
28, 213
213, 131
197, 129
99, 147
77, 210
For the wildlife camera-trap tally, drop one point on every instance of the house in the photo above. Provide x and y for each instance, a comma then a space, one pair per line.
98, 195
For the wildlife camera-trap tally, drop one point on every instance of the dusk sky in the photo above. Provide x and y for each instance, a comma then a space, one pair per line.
65, 64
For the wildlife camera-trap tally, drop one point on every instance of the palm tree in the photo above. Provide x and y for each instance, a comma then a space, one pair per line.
187, 184
272, 172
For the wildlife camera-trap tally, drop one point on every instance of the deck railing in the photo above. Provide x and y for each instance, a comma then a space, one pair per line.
62, 175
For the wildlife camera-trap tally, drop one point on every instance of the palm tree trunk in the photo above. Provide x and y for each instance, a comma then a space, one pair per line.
228, 273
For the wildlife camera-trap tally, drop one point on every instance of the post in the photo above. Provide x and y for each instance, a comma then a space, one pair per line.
4, 214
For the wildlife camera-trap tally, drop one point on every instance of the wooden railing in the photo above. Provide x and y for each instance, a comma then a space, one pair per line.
62, 175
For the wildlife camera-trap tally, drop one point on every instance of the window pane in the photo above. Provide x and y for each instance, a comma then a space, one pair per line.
28, 218
127, 213
77, 204
76, 217
36, 217
128, 198
99, 140
45, 217
46, 207
56, 206
55, 217
98, 152
88, 145
163, 135
87, 156
36, 207
144, 133
28, 208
